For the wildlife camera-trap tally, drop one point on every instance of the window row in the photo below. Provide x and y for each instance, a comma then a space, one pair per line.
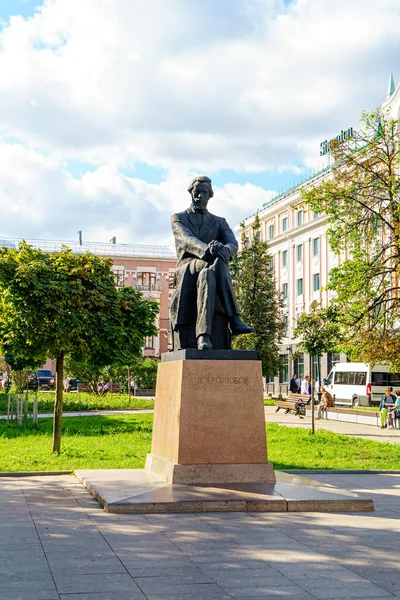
297, 366
285, 223
299, 286
299, 252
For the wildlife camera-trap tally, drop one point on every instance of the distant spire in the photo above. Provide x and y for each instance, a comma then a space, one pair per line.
391, 86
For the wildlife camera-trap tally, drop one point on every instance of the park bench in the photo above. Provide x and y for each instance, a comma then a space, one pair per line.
114, 388
82, 387
295, 403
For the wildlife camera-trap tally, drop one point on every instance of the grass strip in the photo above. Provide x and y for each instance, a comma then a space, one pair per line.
122, 442
83, 401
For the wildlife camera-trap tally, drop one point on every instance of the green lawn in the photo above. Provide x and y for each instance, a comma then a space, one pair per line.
87, 443
123, 442
82, 401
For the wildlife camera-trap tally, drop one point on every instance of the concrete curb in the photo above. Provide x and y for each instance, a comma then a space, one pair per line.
33, 473
339, 472
290, 471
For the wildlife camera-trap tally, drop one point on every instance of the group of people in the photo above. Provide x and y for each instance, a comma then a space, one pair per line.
389, 408
298, 385
104, 387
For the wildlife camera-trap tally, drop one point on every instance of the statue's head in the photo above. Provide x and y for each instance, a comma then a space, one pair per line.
201, 191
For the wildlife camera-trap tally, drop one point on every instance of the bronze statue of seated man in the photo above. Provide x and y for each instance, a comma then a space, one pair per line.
204, 244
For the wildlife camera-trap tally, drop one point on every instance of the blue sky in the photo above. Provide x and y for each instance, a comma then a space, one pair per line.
108, 108
25, 8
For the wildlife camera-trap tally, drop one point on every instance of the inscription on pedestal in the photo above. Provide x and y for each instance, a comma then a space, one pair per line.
222, 380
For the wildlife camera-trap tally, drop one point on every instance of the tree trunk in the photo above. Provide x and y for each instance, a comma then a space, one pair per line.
58, 404
129, 384
312, 394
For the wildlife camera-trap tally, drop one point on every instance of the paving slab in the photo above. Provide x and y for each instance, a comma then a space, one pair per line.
193, 556
139, 491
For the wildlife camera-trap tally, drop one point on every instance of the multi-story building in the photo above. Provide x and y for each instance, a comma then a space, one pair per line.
302, 258
149, 269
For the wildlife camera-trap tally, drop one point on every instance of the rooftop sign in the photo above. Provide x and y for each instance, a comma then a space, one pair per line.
325, 147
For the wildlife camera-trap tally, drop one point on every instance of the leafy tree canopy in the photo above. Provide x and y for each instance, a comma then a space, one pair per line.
318, 331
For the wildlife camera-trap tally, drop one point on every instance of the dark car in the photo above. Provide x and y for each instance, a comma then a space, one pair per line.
42, 379
71, 384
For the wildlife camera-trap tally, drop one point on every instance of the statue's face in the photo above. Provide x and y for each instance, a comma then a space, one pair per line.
200, 195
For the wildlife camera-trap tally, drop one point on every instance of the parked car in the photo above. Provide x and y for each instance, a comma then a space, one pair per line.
358, 384
42, 379
71, 384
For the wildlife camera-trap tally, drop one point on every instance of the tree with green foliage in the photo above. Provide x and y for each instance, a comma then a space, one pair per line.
144, 372
19, 368
317, 332
60, 303
361, 202
258, 300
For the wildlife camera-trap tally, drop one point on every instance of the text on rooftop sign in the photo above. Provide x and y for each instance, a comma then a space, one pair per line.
326, 146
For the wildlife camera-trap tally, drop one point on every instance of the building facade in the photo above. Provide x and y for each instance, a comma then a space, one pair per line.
149, 269
301, 256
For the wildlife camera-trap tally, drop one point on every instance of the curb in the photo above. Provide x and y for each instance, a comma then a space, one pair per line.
33, 473
338, 472
290, 471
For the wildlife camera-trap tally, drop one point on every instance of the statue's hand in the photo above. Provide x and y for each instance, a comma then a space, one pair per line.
213, 247
218, 249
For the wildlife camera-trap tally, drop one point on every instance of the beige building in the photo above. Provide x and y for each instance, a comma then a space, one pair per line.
302, 259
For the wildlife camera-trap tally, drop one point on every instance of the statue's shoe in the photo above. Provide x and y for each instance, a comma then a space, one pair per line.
204, 342
239, 327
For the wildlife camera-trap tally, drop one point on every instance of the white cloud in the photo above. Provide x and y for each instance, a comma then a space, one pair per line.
40, 199
188, 86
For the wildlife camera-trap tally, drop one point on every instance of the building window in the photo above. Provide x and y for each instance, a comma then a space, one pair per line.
300, 286
284, 291
271, 263
285, 321
300, 217
298, 365
299, 252
333, 358
315, 374
284, 258
315, 245
119, 278
316, 285
171, 281
285, 224
146, 279
316, 215
149, 342
284, 370
271, 231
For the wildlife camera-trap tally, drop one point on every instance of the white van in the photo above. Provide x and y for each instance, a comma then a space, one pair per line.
357, 384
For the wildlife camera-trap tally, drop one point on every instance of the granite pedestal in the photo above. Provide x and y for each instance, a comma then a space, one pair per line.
209, 424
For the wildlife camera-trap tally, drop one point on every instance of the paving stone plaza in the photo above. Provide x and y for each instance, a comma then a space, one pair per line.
56, 543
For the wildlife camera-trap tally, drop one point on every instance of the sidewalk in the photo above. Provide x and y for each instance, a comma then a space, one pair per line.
56, 543
369, 432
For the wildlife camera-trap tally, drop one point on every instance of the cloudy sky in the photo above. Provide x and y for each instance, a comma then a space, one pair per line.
109, 107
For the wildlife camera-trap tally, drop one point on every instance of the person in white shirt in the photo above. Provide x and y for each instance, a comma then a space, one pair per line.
305, 385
